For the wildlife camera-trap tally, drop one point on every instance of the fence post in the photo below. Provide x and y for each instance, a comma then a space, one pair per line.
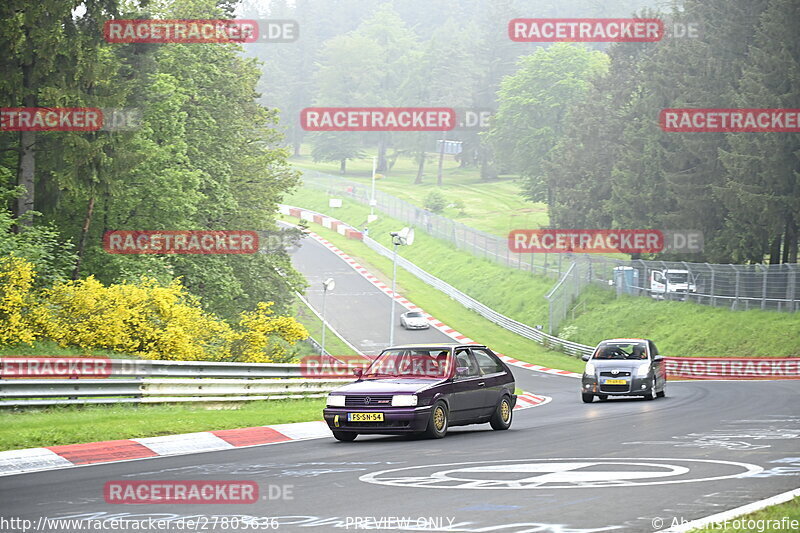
711, 290
764, 288
736, 289
792, 288
689, 279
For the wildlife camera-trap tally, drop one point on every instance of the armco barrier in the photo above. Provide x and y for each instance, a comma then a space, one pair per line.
733, 368
139, 381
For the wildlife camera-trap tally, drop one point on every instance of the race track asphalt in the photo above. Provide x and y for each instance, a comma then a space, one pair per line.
623, 465
357, 309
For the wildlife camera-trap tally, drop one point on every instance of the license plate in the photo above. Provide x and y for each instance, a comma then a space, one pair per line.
365, 417
616, 382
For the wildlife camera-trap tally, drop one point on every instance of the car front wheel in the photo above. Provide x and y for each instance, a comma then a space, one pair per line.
501, 419
651, 395
587, 397
437, 424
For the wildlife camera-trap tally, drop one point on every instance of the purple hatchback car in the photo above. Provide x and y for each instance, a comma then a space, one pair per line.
424, 389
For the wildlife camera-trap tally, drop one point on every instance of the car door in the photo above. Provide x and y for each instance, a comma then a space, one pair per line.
659, 366
494, 376
468, 389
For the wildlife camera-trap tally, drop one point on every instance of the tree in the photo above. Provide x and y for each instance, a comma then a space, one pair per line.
533, 106
762, 190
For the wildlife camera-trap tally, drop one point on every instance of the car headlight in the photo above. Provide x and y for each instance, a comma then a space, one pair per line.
589, 369
642, 371
404, 400
336, 400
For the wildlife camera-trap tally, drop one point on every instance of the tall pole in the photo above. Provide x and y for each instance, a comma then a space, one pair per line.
441, 160
324, 294
372, 195
394, 278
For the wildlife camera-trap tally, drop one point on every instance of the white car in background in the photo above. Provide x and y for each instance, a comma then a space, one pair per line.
414, 320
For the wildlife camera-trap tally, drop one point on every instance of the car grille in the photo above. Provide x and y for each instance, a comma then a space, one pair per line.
620, 374
613, 388
374, 400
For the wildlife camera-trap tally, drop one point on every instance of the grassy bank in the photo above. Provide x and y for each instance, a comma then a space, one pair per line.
494, 206
767, 520
679, 328
74, 424
454, 314
685, 329
333, 344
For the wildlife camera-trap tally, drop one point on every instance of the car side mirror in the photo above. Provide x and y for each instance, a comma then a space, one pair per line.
358, 372
585, 358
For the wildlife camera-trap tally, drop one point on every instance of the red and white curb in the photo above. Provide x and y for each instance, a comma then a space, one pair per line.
529, 399
539, 368
71, 455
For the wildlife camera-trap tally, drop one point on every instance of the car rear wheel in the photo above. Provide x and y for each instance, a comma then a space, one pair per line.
345, 436
437, 424
501, 419
587, 397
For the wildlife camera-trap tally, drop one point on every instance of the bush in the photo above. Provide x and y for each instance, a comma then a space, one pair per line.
459, 204
435, 202
18, 323
147, 319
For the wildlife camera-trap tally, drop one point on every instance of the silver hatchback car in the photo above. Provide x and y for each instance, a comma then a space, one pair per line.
624, 367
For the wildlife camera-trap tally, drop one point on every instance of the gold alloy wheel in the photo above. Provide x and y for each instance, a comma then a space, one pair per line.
438, 418
505, 411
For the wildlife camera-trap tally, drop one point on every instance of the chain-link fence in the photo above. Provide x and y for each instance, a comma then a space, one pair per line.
768, 287
476, 242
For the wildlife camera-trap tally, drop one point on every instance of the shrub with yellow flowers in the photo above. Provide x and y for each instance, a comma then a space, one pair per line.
18, 320
144, 318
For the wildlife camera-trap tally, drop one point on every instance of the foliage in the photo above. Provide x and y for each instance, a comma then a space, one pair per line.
17, 321
145, 318
533, 105
615, 167
435, 202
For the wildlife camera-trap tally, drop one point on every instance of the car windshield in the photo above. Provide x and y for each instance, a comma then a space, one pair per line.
425, 362
621, 350
414, 314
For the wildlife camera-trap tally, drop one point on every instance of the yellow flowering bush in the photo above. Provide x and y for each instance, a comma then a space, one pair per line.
17, 302
262, 333
145, 318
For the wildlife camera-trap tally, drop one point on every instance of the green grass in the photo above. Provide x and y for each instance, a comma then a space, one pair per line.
495, 206
789, 510
452, 313
678, 328
74, 424
45, 348
515, 293
686, 329
333, 344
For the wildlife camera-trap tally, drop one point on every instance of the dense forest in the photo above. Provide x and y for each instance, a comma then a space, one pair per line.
577, 123
205, 155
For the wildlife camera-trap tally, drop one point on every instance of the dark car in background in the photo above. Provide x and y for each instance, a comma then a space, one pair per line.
424, 389
624, 367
